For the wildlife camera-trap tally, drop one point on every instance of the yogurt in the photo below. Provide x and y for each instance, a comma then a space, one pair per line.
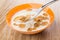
29, 24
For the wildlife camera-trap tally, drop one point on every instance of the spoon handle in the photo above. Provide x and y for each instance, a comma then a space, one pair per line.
44, 6
47, 4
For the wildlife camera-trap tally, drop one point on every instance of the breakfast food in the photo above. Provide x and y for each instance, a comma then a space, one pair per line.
18, 18
21, 20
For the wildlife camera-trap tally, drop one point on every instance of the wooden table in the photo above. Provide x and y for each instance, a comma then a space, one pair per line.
51, 33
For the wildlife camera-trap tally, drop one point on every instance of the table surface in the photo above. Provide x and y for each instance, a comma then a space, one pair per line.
51, 33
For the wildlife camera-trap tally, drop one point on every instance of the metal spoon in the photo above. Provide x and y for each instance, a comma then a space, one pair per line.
43, 7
